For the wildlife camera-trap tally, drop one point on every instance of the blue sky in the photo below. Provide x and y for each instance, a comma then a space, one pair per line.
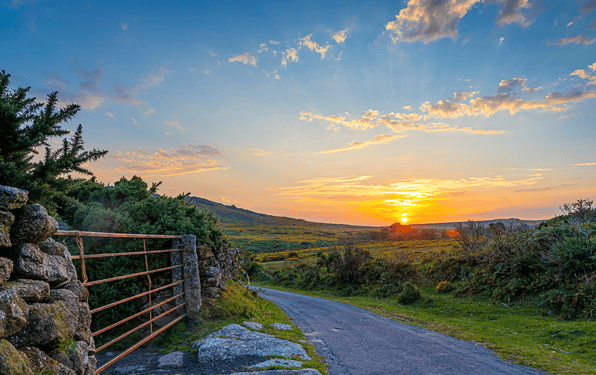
353, 112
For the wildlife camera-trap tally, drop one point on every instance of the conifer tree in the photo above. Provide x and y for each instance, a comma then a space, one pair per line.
25, 127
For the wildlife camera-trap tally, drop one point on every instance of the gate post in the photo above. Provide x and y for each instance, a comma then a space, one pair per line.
192, 282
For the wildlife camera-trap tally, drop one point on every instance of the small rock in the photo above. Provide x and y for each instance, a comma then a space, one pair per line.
6, 220
52, 247
306, 371
13, 312
12, 361
254, 325
281, 327
174, 359
5, 269
77, 288
30, 290
277, 362
12, 198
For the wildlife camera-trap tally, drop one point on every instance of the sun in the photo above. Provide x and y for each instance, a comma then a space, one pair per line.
404, 219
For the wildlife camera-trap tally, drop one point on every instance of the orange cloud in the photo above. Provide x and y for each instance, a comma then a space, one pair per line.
378, 139
244, 58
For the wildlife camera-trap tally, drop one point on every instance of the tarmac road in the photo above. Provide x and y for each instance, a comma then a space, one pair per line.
356, 341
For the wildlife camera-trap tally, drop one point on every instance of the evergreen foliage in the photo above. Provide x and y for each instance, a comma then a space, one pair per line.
26, 126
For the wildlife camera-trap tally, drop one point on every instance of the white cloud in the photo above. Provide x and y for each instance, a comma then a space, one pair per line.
291, 54
578, 39
109, 114
135, 121
149, 111
124, 26
340, 36
212, 54
378, 139
174, 124
244, 58
501, 40
313, 46
187, 158
169, 133
429, 20
274, 42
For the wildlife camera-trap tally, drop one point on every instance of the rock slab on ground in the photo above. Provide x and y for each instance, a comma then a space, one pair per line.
235, 341
254, 325
277, 362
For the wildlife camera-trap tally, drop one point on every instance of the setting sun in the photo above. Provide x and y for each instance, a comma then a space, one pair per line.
404, 219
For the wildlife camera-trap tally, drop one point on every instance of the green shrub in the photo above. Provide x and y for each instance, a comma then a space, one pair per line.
409, 295
445, 287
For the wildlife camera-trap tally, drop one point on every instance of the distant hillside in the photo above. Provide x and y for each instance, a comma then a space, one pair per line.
234, 215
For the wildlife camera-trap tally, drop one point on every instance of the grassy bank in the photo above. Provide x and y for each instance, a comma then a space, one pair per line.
236, 305
514, 331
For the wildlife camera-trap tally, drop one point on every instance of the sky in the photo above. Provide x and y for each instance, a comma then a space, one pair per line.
356, 112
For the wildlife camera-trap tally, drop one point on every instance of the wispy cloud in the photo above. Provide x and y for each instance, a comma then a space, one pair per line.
378, 139
577, 39
244, 58
154, 79
258, 151
585, 164
174, 124
135, 121
290, 55
187, 158
501, 39
124, 26
340, 36
149, 111
109, 114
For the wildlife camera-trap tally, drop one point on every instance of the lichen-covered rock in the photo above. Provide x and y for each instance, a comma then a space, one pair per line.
5, 270
13, 362
41, 363
77, 288
31, 263
83, 331
281, 327
32, 225
52, 247
71, 270
76, 357
13, 312
49, 323
12, 198
6, 220
30, 290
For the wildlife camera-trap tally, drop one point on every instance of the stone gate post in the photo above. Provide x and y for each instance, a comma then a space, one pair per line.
192, 282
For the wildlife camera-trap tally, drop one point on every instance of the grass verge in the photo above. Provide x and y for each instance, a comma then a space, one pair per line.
515, 332
236, 305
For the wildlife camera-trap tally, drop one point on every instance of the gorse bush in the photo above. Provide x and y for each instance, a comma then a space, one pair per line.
553, 266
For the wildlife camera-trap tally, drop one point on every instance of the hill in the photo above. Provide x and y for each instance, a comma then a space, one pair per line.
234, 215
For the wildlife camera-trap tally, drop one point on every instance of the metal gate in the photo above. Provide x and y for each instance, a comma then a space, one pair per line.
178, 293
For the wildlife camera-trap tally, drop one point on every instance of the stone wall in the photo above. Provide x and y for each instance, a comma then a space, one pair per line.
44, 319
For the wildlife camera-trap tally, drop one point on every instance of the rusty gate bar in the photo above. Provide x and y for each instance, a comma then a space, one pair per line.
74, 233
131, 275
133, 297
127, 351
121, 254
176, 272
137, 328
133, 316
